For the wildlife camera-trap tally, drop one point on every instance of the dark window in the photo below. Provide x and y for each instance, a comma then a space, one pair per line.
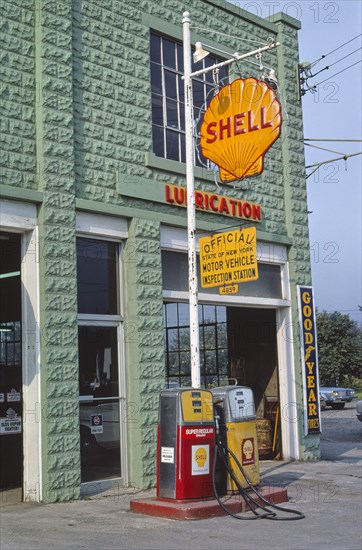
98, 361
168, 119
175, 277
97, 277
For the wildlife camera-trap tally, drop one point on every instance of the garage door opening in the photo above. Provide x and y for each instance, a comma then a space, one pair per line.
11, 378
237, 346
253, 362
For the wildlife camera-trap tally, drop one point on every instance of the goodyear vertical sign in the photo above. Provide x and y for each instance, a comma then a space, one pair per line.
309, 359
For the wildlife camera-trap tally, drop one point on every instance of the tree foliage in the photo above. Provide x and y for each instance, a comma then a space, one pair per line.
339, 348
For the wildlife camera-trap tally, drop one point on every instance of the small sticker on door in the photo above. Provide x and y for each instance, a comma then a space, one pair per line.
13, 396
96, 423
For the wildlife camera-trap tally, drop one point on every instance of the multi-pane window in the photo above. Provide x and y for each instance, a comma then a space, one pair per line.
10, 343
213, 344
168, 119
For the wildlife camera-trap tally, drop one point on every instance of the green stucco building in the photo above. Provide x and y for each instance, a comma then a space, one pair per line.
94, 284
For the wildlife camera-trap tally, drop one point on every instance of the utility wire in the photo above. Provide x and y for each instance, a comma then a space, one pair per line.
319, 164
345, 157
339, 140
336, 49
324, 149
342, 71
335, 63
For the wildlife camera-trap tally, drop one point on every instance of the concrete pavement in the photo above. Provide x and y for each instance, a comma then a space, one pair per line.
328, 492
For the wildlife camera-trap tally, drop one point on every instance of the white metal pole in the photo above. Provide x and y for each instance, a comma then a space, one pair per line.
191, 216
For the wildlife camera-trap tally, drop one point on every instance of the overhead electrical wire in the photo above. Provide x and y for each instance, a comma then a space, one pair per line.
332, 51
345, 157
306, 68
335, 63
324, 149
342, 71
317, 165
334, 139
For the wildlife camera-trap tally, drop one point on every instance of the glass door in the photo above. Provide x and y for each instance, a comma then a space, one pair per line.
99, 402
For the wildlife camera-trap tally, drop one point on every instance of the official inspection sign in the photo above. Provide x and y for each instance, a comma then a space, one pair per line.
228, 258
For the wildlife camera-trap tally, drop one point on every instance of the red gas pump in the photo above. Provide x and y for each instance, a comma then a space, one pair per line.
185, 451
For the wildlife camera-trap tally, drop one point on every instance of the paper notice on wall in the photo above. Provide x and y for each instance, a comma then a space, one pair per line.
10, 425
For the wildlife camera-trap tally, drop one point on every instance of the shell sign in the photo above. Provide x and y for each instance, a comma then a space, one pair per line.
240, 124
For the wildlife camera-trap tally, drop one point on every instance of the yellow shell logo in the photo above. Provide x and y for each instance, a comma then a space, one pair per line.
241, 123
248, 449
200, 457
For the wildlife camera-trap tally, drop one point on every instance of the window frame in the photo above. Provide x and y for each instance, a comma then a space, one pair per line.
217, 373
204, 80
111, 321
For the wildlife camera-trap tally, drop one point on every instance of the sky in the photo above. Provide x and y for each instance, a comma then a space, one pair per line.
332, 112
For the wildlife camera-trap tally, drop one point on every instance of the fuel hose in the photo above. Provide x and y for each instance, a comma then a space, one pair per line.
222, 453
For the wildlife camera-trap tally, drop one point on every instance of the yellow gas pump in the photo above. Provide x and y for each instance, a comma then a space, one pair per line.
235, 411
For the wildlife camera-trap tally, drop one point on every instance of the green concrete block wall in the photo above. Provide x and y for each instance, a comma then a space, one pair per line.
76, 113
17, 106
58, 282
145, 372
296, 214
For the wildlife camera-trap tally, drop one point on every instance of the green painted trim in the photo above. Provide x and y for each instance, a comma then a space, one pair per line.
7, 275
179, 168
129, 212
18, 193
285, 18
178, 218
141, 188
164, 27
39, 130
176, 32
248, 16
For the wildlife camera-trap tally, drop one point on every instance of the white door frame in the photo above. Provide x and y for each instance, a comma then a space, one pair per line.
21, 218
109, 228
175, 239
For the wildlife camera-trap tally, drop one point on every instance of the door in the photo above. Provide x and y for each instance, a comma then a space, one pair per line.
11, 438
252, 343
100, 351
99, 402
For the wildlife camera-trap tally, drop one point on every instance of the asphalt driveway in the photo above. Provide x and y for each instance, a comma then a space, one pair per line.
328, 492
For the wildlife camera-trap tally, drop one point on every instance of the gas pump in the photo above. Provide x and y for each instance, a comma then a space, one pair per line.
236, 448
197, 430
185, 450
235, 415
